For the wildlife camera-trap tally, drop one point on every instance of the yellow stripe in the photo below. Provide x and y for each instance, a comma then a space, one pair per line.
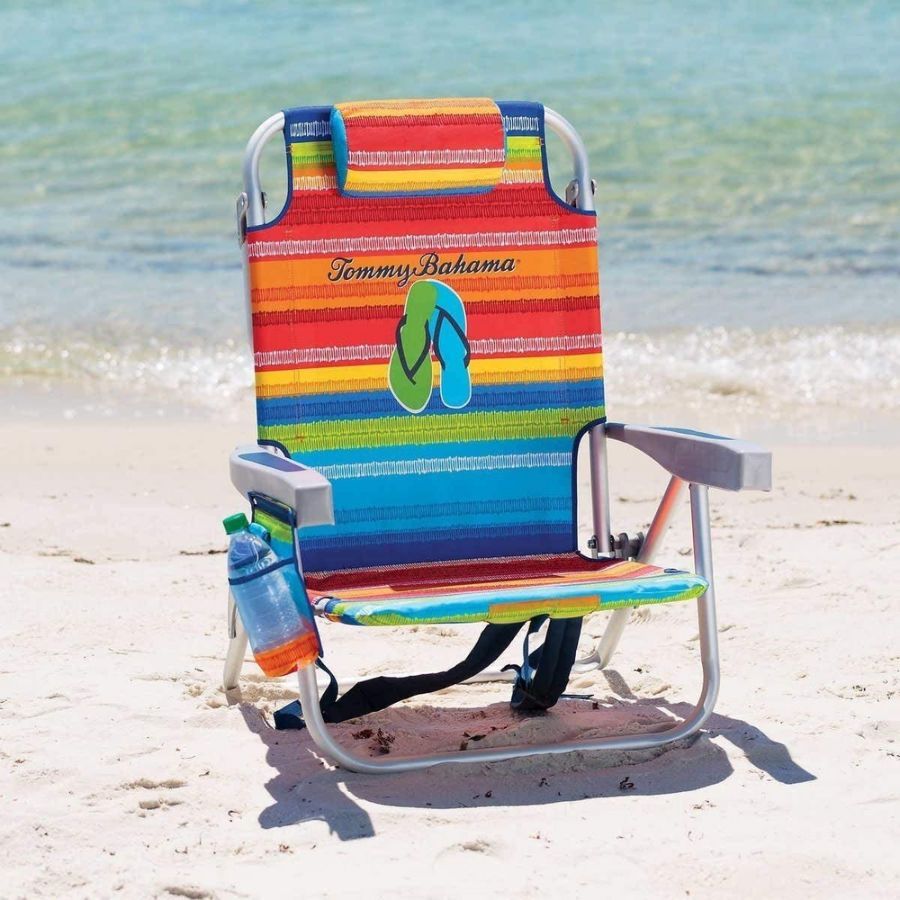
419, 179
523, 143
499, 370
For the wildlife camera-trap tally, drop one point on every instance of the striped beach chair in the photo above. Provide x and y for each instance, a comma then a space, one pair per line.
426, 333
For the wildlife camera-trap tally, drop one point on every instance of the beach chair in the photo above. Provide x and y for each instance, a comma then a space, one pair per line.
426, 331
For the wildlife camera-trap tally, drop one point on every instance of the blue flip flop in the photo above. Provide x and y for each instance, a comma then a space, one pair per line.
451, 346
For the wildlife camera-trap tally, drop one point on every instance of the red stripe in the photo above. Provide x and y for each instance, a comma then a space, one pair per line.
512, 201
363, 135
422, 167
409, 578
537, 308
382, 330
348, 333
399, 225
513, 324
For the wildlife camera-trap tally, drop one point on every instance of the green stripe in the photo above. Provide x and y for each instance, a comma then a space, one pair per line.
275, 527
514, 154
348, 609
311, 152
396, 431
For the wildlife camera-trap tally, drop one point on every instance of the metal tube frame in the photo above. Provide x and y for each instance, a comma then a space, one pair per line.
237, 646
709, 660
606, 647
251, 212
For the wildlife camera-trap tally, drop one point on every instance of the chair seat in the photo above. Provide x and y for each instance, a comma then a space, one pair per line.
494, 590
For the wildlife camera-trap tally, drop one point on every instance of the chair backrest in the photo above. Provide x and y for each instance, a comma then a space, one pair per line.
428, 336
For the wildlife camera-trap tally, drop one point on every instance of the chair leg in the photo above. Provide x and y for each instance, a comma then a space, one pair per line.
709, 659
237, 647
602, 654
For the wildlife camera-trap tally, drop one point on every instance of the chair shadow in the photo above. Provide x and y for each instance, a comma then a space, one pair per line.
761, 751
306, 788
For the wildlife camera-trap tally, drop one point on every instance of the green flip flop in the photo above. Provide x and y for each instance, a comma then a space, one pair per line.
410, 368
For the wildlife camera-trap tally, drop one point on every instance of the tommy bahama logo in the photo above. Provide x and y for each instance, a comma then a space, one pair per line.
345, 268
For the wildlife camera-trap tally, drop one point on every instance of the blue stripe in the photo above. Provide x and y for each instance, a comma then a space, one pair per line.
373, 527
557, 515
318, 557
449, 487
491, 498
379, 404
320, 458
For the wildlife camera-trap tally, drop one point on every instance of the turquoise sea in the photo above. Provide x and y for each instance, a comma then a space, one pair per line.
746, 156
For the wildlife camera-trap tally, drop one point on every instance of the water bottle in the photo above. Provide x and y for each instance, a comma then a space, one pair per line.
279, 635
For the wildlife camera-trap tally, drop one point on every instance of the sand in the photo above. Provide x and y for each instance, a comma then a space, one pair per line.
126, 772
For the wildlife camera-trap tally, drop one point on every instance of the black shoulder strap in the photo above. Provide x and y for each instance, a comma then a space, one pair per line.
377, 693
542, 677
544, 673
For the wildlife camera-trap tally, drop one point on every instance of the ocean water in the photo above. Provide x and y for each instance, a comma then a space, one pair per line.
746, 156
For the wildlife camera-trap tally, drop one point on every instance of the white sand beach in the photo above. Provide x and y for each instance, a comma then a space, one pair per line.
748, 198
127, 772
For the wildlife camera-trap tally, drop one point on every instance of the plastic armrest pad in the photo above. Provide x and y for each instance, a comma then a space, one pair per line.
695, 456
258, 470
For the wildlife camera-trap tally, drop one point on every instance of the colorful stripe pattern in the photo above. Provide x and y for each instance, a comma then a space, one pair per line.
446, 415
417, 147
499, 591
329, 282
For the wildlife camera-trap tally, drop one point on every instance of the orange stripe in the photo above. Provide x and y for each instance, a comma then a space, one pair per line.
475, 288
286, 658
519, 612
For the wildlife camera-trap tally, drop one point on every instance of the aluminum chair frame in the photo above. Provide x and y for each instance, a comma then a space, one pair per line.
692, 458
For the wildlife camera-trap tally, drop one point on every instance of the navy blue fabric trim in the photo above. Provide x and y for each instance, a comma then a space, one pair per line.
276, 444
271, 507
330, 557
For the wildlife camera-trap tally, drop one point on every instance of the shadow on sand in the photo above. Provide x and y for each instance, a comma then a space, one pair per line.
305, 788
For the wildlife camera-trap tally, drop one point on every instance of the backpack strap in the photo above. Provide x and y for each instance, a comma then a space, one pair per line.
542, 677
544, 672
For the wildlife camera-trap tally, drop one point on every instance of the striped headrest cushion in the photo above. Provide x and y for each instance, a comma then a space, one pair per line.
417, 147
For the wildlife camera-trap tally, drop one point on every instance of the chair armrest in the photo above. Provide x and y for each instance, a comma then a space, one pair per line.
700, 458
255, 469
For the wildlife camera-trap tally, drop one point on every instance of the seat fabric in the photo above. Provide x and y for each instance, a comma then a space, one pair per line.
494, 590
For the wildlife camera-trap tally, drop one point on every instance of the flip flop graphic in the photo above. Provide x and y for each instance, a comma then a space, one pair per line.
451, 347
410, 367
